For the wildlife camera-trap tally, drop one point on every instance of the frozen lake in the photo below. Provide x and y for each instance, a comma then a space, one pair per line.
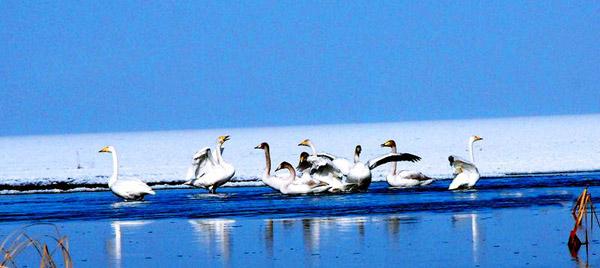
510, 145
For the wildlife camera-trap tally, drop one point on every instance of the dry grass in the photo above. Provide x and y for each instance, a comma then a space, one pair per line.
19, 241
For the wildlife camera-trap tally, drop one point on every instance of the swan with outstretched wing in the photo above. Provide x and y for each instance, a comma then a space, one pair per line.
208, 169
404, 178
322, 168
466, 172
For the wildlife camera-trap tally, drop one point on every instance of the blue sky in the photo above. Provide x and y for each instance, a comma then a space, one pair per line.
98, 66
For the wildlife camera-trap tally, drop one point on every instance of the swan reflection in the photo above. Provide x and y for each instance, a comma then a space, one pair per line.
476, 236
116, 250
215, 235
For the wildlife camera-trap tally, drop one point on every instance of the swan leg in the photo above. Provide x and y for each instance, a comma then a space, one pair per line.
212, 189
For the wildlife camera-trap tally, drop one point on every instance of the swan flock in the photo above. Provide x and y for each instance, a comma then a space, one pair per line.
316, 172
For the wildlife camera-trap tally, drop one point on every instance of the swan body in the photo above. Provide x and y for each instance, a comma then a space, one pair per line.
291, 188
466, 172
128, 189
404, 178
322, 169
209, 170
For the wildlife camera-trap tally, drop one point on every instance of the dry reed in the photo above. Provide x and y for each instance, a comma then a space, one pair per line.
19, 241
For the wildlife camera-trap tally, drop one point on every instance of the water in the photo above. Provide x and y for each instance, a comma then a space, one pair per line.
507, 221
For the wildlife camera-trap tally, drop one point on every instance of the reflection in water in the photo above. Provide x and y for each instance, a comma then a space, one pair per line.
269, 237
311, 235
128, 204
116, 251
215, 233
316, 230
476, 237
466, 195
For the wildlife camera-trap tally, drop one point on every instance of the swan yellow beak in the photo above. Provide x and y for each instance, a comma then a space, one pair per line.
387, 143
224, 138
304, 143
104, 149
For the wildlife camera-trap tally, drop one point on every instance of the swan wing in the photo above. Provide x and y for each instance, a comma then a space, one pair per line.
327, 155
375, 162
205, 161
413, 175
461, 165
324, 167
131, 187
343, 165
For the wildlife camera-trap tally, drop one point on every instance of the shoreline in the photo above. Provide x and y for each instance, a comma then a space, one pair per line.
65, 187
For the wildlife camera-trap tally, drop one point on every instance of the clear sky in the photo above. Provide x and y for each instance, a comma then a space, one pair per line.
98, 66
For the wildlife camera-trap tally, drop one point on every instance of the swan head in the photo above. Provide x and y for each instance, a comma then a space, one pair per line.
223, 139
357, 150
303, 156
389, 143
107, 149
284, 165
303, 162
475, 138
306, 143
262, 146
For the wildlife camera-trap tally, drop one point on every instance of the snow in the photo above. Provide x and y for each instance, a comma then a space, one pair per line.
510, 145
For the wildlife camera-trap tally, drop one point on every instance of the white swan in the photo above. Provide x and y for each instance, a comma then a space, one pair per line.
404, 178
270, 180
298, 188
360, 173
323, 169
209, 170
466, 172
128, 189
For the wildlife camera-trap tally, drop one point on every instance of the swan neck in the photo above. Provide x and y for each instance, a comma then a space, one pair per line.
312, 147
471, 151
115, 173
268, 161
292, 174
394, 163
356, 158
219, 156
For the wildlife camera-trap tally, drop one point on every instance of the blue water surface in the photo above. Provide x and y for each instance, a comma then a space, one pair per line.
507, 221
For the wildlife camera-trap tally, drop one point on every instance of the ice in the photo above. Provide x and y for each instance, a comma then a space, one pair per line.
510, 145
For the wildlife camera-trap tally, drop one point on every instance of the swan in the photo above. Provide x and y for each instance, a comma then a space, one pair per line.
209, 170
272, 181
404, 178
298, 188
129, 189
359, 173
323, 169
466, 172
